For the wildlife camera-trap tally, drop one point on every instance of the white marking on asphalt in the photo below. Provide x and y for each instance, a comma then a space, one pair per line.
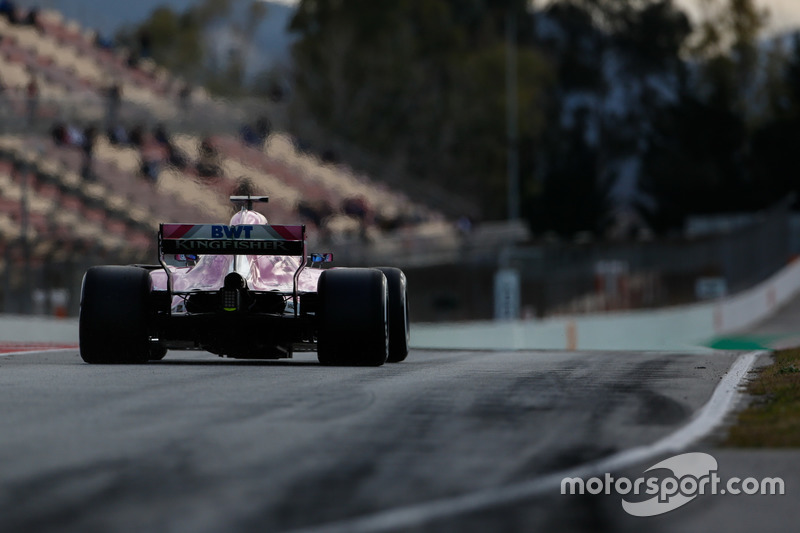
48, 350
703, 422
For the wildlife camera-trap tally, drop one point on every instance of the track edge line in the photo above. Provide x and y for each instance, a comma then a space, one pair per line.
707, 419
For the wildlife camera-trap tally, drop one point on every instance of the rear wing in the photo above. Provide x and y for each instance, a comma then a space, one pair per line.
241, 239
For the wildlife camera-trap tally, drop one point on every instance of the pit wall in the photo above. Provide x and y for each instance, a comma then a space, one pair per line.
675, 328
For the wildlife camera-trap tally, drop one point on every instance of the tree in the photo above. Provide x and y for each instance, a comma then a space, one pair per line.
183, 43
619, 65
728, 48
694, 162
774, 163
419, 83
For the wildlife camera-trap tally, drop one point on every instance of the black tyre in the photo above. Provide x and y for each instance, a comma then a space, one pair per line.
114, 315
157, 352
352, 317
399, 330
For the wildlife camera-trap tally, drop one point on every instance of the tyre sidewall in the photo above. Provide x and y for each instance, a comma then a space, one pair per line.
352, 317
113, 323
399, 330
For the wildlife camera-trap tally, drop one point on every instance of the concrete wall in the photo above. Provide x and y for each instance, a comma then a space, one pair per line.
16, 328
673, 328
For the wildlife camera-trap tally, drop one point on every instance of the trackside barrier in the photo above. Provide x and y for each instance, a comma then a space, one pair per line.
672, 328
34, 329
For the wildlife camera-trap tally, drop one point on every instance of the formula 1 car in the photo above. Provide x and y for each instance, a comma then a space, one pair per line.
242, 290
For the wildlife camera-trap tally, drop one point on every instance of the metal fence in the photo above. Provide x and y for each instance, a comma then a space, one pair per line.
459, 284
49, 285
575, 278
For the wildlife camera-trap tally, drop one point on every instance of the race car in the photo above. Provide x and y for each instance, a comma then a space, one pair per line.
248, 290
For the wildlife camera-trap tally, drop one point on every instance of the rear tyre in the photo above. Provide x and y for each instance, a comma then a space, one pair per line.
114, 315
157, 352
399, 331
352, 317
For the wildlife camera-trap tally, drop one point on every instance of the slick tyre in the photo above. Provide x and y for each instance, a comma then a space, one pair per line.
352, 317
114, 315
399, 330
157, 352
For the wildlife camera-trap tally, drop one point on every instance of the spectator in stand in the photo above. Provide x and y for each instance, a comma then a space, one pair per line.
464, 225
117, 136
263, 130
390, 222
136, 136
356, 207
149, 169
248, 135
208, 166
59, 133
207, 148
133, 60
75, 136
32, 18
89, 138
161, 136
329, 157
4, 104
257, 135
103, 43
32, 94
145, 43
152, 157
67, 135
314, 212
113, 104
318, 213
175, 156
185, 97
276, 92
8, 9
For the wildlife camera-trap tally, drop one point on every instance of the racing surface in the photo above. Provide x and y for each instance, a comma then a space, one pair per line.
196, 443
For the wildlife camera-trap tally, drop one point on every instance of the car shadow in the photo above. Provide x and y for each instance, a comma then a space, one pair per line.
231, 362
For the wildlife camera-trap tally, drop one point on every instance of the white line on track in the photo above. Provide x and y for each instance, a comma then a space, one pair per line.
37, 350
710, 416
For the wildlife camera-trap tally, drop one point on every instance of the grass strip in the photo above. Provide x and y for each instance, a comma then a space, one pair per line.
772, 420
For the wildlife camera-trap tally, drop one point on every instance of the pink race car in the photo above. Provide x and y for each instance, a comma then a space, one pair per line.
243, 290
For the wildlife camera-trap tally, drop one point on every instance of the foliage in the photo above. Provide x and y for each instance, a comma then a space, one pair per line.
706, 115
422, 82
181, 42
727, 144
425, 83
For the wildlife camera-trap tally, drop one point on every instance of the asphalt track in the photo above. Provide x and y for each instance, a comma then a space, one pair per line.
196, 444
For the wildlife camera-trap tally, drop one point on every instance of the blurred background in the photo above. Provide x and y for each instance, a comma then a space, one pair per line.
562, 156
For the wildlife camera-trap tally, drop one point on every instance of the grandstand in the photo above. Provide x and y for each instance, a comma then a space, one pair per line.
96, 150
